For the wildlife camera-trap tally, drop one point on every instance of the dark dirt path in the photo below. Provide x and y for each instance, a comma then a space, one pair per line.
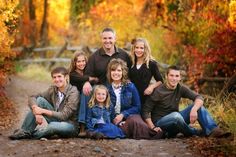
18, 90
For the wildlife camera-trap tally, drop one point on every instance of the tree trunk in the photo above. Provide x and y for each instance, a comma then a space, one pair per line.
32, 18
77, 7
44, 29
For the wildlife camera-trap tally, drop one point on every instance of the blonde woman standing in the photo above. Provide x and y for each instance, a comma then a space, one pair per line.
144, 67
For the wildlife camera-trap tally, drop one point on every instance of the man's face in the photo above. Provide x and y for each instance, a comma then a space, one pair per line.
173, 78
108, 40
59, 80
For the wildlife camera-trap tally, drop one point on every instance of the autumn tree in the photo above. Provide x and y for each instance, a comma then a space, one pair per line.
8, 21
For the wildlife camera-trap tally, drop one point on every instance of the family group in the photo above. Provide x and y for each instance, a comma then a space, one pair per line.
116, 94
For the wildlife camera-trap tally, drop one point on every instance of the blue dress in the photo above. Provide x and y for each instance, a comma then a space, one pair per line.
98, 120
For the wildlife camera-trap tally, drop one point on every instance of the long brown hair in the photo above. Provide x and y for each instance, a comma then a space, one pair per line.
113, 64
93, 100
74, 60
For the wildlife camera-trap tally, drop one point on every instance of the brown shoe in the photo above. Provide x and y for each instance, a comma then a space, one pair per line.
219, 133
95, 135
82, 132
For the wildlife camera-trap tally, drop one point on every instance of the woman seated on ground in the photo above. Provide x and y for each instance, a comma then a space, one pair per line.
126, 101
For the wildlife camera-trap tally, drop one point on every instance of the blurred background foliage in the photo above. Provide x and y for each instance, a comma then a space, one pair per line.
195, 34
198, 35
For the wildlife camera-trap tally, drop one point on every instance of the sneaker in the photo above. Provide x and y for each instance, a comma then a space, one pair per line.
180, 135
219, 133
20, 134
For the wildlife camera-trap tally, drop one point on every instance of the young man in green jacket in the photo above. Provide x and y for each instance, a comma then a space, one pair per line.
58, 105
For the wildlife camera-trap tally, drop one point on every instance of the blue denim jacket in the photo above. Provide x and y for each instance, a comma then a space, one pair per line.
129, 99
95, 113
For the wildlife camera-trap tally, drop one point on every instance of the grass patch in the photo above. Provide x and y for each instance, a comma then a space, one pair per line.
35, 72
224, 111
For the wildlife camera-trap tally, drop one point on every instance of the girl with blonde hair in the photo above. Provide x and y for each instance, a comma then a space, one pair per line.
144, 68
98, 116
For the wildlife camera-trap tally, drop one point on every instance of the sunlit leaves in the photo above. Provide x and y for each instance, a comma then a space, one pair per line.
8, 17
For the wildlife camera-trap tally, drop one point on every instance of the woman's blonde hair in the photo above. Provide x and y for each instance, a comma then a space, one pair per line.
93, 100
74, 60
113, 64
147, 51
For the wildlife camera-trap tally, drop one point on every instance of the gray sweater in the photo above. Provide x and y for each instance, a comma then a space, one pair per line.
163, 101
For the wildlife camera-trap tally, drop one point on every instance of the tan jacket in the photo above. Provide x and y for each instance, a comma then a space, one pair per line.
68, 107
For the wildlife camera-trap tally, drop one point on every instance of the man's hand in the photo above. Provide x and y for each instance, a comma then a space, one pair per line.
157, 129
39, 119
193, 116
118, 119
37, 110
87, 88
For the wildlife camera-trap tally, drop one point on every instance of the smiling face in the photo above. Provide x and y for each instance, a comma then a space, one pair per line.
59, 80
173, 78
139, 49
116, 74
100, 96
80, 63
108, 40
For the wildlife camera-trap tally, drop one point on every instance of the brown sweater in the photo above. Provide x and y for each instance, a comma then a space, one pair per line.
163, 101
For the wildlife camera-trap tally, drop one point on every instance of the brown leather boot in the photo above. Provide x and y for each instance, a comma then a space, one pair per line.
219, 133
82, 132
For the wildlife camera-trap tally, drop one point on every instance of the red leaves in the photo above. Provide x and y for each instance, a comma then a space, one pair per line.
8, 113
212, 147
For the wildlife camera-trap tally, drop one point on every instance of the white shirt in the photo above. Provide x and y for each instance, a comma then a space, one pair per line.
117, 92
60, 96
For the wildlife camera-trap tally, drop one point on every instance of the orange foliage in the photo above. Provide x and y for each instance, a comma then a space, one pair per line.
8, 19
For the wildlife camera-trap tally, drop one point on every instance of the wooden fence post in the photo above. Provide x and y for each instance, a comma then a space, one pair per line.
57, 54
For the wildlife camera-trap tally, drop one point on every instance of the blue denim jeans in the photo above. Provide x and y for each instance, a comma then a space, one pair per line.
83, 108
54, 126
176, 122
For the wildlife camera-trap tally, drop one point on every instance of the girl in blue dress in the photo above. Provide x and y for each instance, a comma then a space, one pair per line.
98, 118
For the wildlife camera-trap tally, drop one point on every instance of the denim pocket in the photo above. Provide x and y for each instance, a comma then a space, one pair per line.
128, 98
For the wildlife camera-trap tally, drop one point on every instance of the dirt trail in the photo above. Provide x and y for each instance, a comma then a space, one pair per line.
18, 90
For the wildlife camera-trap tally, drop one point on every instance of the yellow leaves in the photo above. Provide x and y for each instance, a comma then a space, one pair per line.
232, 14
8, 15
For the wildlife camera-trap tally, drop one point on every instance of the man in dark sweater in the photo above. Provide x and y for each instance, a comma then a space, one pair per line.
161, 110
98, 61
